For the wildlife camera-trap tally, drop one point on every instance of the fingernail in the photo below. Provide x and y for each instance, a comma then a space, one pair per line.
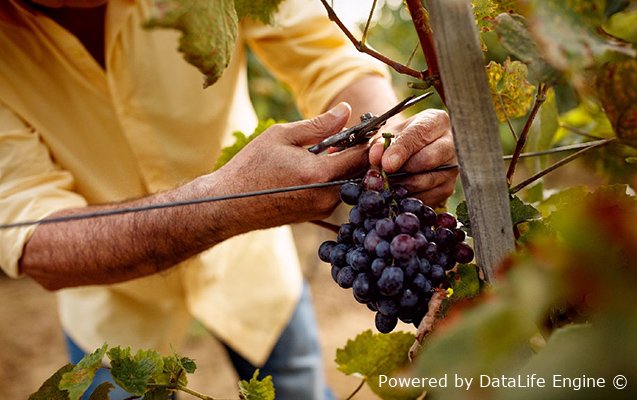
340, 110
394, 162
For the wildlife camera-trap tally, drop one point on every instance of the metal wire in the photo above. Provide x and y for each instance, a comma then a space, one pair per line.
129, 210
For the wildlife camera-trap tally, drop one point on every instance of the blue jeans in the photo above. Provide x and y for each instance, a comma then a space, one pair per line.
295, 362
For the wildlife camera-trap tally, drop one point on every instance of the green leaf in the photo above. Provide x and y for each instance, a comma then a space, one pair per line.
80, 378
372, 354
513, 32
50, 388
617, 89
466, 282
512, 94
462, 215
257, 9
562, 199
622, 25
257, 389
134, 373
521, 212
240, 142
209, 31
484, 12
158, 393
101, 391
385, 392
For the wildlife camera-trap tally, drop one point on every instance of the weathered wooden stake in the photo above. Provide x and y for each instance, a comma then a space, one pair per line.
475, 129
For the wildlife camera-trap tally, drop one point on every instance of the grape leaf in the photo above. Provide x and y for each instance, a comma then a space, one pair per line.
209, 31
158, 393
521, 212
484, 12
516, 38
257, 389
80, 378
386, 392
617, 89
257, 9
101, 391
50, 388
567, 33
241, 140
462, 215
372, 354
512, 94
134, 373
466, 282
622, 25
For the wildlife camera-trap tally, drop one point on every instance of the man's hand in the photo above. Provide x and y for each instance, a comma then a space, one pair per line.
422, 142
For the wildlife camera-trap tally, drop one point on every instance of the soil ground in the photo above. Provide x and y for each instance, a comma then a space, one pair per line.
32, 347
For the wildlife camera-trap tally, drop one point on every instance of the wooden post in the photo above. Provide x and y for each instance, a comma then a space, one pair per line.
475, 128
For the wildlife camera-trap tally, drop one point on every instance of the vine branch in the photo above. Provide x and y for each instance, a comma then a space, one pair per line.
362, 47
194, 393
420, 19
358, 389
558, 164
539, 100
426, 326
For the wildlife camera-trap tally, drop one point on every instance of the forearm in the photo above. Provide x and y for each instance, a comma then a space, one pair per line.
116, 248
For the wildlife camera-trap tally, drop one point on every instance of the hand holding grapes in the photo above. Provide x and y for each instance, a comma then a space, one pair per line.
422, 142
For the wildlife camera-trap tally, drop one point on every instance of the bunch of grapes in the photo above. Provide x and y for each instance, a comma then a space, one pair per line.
393, 251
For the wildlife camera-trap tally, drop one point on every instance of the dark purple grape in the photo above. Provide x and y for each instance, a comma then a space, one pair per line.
384, 323
446, 220
421, 284
345, 233
391, 281
383, 249
445, 238
425, 266
359, 235
428, 216
387, 195
338, 255
460, 235
350, 192
334, 272
373, 180
400, 192
403, 247
464, 253
446, 261
385, 227
406, 315
371, 202
409, 298
325, 249
359, 259
388, 306
356, 217
412, 205
411, 267
437, 272
362, 288
377, 267
371, 241
345, 277
430, 251
370, 223
429, 233
372, 306
418, 316
420, 240
407, 222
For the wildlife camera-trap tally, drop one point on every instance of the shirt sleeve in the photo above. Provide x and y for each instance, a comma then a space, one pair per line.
32, 186
308, 52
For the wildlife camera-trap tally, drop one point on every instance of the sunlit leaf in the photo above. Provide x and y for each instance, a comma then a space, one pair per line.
512, 94
617, 89
209, 31
50, 388
80, 378
257, 389
134, 373
241, 140
466, 282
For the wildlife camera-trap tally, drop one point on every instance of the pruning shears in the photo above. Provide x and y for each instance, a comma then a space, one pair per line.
368, 127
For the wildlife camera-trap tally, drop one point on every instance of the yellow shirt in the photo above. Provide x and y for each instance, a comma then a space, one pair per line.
73, 134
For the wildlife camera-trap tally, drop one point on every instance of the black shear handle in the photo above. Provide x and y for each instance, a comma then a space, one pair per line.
369, 126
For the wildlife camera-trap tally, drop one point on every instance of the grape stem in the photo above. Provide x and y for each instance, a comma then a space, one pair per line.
358, 388
362, 47
427, 324
194, 393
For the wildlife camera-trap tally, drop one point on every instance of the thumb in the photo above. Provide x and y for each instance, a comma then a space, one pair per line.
312, 131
